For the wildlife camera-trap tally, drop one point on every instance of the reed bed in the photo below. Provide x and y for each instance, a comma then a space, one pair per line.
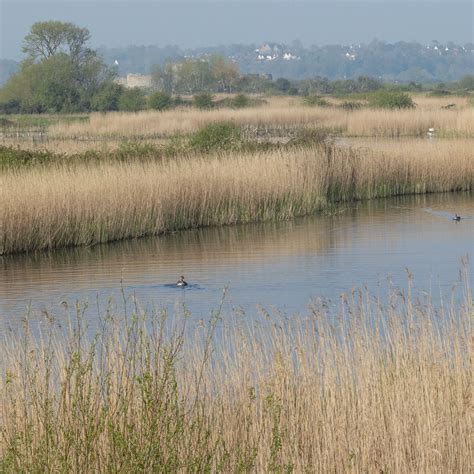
44, 208
416, 147
411, 122
364, 387
364, 122
182, 121
427, 102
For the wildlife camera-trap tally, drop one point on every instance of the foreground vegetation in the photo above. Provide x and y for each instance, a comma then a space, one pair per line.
369, 388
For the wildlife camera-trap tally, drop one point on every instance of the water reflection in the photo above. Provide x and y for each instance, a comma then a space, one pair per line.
284, 264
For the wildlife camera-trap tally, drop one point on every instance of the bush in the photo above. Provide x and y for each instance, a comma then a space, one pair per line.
132, 149
386, 99
315, 101
215, 136
107, 97
5, 123
467, 83
10, 106
240, 101
160, 101
131, 100
203, 101
13, 157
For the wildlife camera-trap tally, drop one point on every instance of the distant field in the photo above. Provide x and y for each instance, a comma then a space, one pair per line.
279, 115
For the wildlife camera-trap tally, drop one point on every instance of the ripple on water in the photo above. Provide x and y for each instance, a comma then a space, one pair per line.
280, 264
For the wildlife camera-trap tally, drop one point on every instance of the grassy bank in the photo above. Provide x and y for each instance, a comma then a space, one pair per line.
44, 208
372, 388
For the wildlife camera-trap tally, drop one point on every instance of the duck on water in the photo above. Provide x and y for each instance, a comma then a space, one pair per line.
457, 218
181, 282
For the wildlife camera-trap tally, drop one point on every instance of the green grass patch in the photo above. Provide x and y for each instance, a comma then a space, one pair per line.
25, 122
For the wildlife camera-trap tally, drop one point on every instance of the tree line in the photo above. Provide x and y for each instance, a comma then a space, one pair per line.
62, 74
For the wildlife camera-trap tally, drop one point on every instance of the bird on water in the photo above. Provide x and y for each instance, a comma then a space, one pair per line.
457, 218
181, 281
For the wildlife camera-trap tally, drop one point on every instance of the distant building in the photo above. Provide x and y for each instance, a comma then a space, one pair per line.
135, 80
271, 51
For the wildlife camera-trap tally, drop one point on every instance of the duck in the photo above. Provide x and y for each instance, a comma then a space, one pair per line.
181, 281
457, 218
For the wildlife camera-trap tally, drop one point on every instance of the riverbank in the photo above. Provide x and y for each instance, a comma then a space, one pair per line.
59, 206
370, 388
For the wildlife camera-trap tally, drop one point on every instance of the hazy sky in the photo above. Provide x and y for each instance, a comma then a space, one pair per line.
209, 23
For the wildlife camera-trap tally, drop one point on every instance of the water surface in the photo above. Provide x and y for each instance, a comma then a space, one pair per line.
283, 265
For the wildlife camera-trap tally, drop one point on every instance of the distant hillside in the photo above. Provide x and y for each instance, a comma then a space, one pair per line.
402, 61
399, 62
7, 68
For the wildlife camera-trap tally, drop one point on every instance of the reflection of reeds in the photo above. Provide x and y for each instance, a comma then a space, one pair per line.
55, 207
377, 388
223, 246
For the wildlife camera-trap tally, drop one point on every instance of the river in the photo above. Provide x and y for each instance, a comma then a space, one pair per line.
273, 265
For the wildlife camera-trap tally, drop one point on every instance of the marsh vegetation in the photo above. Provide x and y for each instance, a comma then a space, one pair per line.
373, 387
156, 172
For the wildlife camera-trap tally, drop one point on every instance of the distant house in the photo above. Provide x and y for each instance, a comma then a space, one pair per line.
135, 80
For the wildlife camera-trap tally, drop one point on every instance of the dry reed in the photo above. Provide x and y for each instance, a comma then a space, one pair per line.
365, 122
369, 388
82, 205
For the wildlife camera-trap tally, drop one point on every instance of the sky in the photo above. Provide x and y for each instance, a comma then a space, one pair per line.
195, 23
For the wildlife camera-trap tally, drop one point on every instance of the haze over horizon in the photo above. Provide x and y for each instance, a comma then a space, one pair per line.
198, 23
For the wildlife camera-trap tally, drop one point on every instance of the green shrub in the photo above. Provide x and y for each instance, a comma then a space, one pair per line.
203, 101
387, 99
5, 123
467, 83
135, 149
107, 97
10, 106
214, 137
131, 100
315, 101
160, 101
11, 157
240, 101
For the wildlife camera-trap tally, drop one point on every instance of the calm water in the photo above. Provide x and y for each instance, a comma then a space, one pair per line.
284, 265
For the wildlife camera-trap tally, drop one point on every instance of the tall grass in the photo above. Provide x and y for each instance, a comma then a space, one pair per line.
411, 122
369, 388
86, 204
364, 122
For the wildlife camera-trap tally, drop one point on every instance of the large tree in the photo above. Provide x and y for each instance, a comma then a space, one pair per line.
191, 76
47, 38
60, 73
